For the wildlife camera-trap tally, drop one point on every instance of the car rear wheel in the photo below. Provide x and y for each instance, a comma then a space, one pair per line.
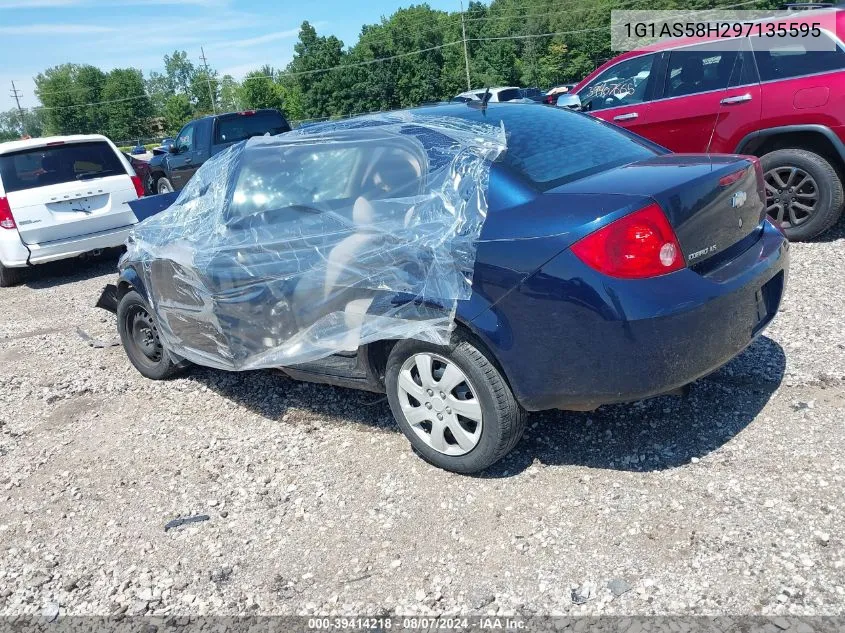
452, 404
803, 192
163, 185
10, 276
138, 331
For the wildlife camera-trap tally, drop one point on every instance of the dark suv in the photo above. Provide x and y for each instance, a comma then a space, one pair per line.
201, 139
772, 97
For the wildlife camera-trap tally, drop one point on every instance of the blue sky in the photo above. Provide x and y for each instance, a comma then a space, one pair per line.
238, 35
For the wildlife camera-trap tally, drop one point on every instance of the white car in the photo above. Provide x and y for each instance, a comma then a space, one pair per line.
506, 93
60, 197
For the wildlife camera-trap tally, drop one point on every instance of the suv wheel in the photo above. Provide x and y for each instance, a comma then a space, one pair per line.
803, 192
452, 404
138, 331
10, 276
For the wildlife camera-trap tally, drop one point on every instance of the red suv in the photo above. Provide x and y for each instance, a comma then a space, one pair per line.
769, 97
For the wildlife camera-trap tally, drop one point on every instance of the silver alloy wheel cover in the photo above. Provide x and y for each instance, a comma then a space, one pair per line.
164, 186
438, 407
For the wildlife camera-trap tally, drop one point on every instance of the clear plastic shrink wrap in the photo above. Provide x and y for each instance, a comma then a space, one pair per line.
286, 249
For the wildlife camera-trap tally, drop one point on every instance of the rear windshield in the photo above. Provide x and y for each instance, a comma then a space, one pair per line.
551, 146
510, 94
42, 166
239, 127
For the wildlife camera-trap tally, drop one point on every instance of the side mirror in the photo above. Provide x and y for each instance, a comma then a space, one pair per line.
172, 149
571, 101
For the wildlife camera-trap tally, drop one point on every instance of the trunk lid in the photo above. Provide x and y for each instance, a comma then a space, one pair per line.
61, 191
712, 201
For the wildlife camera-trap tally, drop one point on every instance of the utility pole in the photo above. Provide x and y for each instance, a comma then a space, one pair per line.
208, 79
17, 96
466, 53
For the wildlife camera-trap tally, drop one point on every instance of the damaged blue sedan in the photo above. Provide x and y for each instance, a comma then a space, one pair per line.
474, 263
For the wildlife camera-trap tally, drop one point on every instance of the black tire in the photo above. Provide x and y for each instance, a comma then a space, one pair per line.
163, 185
503, 418
829, 195
136, 322
10, 276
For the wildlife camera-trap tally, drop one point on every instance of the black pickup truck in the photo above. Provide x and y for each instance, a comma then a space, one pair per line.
201, 139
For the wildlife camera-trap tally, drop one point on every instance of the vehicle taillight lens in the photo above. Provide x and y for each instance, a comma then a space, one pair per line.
7, 220
761, 182
139, 186
726, 181
637, 246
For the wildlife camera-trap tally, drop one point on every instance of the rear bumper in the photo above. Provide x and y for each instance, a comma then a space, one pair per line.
16, 254
569, 338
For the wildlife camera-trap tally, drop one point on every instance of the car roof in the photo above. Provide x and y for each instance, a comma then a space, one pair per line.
496, 113
30, 143
796, 17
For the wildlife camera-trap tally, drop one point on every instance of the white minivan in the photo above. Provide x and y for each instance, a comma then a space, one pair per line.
60, 197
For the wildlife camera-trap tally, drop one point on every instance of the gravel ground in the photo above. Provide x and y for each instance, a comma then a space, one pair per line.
728, 502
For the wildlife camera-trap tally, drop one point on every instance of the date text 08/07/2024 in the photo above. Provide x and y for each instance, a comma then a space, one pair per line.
380, 623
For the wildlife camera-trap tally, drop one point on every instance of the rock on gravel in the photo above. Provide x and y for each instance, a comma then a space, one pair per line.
728, 502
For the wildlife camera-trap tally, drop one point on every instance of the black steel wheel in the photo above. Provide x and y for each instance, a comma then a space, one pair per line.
139, 334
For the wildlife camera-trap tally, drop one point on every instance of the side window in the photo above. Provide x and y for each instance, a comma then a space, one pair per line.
276, 178
784, 57
622, 84
706, 67
185, 142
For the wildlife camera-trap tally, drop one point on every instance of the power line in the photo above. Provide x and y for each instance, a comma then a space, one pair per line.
355, 64
527, 37
95, 103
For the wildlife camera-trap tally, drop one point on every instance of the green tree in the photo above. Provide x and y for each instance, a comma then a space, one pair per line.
71, 95
322, 91
159, 88
11, 127
127, 109
180, 72
177, 112
259, 90
294, 107
203, 86
229, 94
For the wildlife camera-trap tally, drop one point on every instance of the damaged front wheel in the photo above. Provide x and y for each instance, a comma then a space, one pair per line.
138, 331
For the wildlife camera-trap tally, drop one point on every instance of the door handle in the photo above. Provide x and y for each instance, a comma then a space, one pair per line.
626, 117
737, 99
188, 160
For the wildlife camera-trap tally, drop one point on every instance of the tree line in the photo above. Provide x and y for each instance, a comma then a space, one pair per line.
414, 56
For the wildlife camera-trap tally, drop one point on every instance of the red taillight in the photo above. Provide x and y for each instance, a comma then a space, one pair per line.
139, 187
54, 143
639, 245
761, 182
7, 220
730, 179
247, 113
